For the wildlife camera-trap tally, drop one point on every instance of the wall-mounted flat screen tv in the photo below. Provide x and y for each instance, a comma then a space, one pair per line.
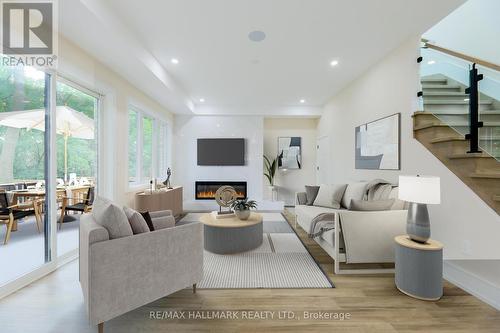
230, 151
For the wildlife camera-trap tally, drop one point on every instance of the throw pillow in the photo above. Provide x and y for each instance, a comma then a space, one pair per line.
398, 204
311, 194
163, 222
353, 191
137, 222
148, 220
373, 205
111, 217
330, 196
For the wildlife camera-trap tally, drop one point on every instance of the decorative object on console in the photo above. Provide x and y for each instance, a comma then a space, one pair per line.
289, 152
167, 181
242, 208
419, 191
377, 144
225, 196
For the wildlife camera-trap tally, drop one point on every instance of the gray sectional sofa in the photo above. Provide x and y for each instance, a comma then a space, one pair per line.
356, 236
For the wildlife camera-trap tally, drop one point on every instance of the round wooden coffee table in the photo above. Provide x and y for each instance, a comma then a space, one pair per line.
232, 235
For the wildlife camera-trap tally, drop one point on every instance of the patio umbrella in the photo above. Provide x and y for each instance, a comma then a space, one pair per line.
69, 123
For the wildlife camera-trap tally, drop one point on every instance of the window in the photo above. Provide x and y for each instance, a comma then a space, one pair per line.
147, 147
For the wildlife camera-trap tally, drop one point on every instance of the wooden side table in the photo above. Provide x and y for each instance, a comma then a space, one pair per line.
419, 268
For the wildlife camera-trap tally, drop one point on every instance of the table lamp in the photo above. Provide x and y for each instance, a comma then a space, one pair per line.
419, 191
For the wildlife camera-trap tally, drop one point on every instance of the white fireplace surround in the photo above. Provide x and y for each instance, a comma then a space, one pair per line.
186, 171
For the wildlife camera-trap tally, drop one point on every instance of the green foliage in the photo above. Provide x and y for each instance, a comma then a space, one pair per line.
270, 169
21, 91
244, 204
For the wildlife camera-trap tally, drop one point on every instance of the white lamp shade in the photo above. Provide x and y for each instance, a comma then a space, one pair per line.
420, 189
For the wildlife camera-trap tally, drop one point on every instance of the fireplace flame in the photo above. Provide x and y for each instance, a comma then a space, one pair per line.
211, 194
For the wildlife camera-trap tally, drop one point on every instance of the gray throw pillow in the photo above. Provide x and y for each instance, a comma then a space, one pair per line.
373, 205
353, 191
137, 222
330, 196
163, 222
311, 193
111, 217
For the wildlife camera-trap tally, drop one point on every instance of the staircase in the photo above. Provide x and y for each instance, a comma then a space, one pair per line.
441, 128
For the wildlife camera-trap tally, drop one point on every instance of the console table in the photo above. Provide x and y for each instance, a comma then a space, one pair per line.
160, 200
419, 268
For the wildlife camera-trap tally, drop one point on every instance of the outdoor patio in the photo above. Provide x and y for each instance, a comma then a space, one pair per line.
25, 250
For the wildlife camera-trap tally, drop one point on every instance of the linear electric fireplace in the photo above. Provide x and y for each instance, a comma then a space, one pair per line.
206, 190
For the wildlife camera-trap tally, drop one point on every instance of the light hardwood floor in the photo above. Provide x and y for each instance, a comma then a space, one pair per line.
54, 304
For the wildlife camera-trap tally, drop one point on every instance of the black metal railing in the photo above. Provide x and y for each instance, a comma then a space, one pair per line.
474, 123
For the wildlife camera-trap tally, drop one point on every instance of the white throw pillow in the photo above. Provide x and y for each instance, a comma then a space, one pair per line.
353, 191
330, 195
111, 217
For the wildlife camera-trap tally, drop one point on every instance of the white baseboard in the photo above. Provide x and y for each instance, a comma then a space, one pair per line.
473, 284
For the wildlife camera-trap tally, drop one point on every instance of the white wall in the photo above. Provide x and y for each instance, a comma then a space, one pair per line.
472, 29
80, 67
186, 171
291, 181
468, 228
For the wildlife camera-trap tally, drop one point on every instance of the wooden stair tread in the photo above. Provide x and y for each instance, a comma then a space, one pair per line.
466, 155
425, 126
434, 79
457, 113
496, 198
492, 175
448, 138
446, 93
434, 86
454, 102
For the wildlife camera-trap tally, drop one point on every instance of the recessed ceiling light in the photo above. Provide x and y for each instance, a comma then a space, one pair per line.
202, 100
334, 63
175, 61
257, 36
302, 101
431, 62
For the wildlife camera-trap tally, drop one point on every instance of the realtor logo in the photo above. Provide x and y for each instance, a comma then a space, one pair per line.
29, 33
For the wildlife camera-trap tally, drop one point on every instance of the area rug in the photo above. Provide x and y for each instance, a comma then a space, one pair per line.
282, 261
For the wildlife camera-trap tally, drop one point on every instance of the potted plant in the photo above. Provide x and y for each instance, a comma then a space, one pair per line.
242, 208
270, 169
270, 172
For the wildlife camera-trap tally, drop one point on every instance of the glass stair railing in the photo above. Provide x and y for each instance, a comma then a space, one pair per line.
445, 77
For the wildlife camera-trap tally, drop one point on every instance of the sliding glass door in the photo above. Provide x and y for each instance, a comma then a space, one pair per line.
23, 243
76, 115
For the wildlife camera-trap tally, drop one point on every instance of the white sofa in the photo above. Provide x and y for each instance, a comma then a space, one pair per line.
358, 236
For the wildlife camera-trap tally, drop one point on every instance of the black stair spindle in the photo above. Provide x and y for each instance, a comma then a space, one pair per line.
474, 123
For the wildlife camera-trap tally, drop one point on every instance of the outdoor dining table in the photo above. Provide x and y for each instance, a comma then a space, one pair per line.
73, 192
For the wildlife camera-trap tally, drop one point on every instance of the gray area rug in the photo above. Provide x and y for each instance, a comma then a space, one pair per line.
281, 261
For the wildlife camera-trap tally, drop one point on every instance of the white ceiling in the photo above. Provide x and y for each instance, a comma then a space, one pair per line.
218, 62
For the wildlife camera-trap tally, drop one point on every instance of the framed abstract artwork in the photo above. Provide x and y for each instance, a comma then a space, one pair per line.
289, 152
378, 144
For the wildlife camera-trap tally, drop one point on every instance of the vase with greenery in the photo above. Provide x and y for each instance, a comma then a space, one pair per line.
242, 208
270, 169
